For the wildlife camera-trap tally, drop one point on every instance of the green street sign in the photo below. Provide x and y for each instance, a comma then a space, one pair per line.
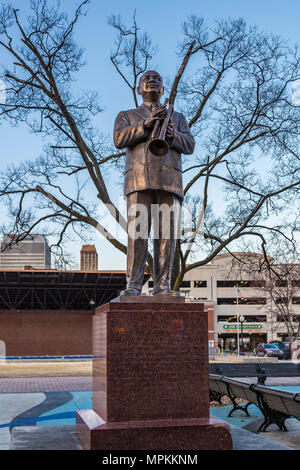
246, 326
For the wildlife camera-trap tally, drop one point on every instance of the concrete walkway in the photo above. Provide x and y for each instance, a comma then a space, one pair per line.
12, 405
64, 438
242, 423
245, 440
290, 438
44, 438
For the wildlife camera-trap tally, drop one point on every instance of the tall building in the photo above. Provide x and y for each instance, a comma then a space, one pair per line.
88, 258
33, 251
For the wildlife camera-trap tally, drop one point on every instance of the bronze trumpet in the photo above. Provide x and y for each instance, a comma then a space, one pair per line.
158, 145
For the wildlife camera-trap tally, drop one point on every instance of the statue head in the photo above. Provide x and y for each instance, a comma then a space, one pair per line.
150, 86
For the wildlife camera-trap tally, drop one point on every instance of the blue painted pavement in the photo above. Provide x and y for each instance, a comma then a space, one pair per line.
65, 414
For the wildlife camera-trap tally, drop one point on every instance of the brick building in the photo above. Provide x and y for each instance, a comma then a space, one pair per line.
49, 312
88, 258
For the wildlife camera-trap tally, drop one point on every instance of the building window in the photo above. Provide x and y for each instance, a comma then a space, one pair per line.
150, 284
296, 300
198, 284
253, 283
280, 283
242, 301
282, 318
248, 318
186, 284
282, 300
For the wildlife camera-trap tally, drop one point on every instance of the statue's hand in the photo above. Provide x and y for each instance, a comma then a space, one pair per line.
157, 114
170, 131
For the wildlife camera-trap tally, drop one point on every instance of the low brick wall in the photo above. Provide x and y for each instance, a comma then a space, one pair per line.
46, 332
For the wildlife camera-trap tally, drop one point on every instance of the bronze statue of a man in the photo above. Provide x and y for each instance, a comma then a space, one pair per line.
151, 180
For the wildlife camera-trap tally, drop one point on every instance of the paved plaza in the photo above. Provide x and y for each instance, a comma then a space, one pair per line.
39, 413
44, 384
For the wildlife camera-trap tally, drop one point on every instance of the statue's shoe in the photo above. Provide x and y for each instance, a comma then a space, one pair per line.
131, 291
166, 292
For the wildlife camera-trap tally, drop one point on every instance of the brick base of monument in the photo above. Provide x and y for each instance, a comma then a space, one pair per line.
172, 434
150, 380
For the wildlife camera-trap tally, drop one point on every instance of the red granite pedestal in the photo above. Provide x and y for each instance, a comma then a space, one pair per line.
150, 380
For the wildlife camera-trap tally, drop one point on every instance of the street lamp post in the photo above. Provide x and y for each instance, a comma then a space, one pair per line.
238, 322
242, 319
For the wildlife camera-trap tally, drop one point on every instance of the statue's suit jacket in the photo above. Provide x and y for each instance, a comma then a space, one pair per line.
144, 170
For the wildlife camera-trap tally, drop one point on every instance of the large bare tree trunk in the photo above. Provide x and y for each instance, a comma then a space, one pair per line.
176, 266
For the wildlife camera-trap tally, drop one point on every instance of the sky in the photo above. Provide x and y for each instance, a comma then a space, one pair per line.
162, 19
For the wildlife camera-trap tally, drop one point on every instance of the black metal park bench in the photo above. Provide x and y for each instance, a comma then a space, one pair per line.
275, 405
278, 405
224, 386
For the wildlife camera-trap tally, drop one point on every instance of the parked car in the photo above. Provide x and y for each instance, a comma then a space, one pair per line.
285, 348
270, 350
